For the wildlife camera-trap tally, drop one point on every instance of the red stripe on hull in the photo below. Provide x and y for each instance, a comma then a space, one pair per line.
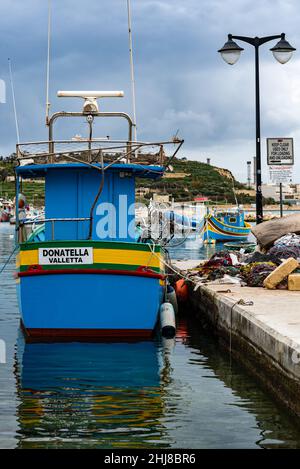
132, 273
65, 335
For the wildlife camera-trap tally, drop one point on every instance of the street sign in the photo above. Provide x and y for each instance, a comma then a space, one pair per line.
280, 151
281, 174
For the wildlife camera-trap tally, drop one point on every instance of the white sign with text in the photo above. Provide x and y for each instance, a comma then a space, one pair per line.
63, 255
281, 174
280, 151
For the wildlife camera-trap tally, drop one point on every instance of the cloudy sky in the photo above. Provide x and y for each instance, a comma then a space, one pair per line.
181, 81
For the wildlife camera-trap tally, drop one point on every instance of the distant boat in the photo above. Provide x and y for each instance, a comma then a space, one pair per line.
5, 210
226, 225
217, 226
4, 216
192, 223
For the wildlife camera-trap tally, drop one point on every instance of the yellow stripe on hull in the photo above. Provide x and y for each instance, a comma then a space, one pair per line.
212, 229
104, 256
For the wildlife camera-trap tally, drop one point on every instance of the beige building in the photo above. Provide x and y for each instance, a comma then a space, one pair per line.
162, 198
290, 192
142, 191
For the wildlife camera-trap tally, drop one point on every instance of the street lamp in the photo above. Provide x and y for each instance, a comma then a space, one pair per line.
282, 52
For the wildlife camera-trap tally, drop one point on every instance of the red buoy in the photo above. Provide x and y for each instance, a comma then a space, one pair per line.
181, 289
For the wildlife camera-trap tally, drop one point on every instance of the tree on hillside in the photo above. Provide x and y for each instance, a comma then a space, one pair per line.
3, 174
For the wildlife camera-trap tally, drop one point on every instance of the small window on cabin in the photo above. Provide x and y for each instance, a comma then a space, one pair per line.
232, 220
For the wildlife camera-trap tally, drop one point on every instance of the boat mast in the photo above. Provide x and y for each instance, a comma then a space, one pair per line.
132, 71
48, 63
14, 101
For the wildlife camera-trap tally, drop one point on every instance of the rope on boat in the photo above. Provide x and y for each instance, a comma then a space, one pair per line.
9, 258
170, 266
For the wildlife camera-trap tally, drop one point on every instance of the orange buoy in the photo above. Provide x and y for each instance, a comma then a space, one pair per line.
181, 289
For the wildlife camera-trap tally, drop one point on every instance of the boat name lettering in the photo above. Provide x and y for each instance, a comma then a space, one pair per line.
62, 255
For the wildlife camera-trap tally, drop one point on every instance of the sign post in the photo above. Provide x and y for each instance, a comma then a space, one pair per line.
280, 199
280, 154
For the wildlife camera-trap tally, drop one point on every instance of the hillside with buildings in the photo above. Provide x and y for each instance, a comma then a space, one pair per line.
187, 180
184, 181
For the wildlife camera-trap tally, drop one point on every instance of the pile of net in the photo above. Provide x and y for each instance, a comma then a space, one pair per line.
221, 264
250, 269
258, 265
255, 273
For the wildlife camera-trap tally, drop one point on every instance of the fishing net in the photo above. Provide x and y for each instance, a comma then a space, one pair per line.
221, 258
290, 239
260, 257
221, 271
284, 252
255, 273
258, 273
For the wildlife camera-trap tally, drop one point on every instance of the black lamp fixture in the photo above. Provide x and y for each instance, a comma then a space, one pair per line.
282, 52
231, 51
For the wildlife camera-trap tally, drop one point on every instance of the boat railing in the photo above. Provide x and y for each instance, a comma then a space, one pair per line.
96, 150
52, 221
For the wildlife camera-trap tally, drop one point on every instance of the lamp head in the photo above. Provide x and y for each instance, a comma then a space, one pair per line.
283, 50
231, 51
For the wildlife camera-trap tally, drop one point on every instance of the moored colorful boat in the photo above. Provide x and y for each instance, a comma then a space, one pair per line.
5, 211
226, 226
85, 274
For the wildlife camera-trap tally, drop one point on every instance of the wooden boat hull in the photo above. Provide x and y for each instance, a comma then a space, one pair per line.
116, 299
218, 231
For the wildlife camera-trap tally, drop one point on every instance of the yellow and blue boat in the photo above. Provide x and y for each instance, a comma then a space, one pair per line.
227, 225
83, 272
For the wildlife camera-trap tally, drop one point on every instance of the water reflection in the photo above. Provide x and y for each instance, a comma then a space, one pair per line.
239, 412
156, 394
97, 395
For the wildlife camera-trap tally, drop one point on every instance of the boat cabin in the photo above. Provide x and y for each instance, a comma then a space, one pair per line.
89, 183
232, 218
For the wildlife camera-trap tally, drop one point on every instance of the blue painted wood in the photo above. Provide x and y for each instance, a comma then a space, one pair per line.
71, 193
90, 301
40, 170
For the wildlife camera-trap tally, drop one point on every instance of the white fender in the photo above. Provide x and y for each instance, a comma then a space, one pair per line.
172, 298
167, 320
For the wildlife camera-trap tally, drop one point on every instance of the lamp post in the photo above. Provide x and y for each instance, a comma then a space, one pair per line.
282, 52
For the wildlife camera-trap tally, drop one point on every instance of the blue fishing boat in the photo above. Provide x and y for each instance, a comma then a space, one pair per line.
83, 272
226, 225
181, 220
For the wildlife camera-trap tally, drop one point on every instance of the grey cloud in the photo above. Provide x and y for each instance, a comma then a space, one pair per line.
181, 81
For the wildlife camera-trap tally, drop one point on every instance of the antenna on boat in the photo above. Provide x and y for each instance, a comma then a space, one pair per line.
90, 105
14, 101
132, 71
48, 63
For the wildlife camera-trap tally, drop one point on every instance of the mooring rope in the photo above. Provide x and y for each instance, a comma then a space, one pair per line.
9, 258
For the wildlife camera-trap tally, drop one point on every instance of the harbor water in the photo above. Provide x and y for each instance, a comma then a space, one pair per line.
183, 393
